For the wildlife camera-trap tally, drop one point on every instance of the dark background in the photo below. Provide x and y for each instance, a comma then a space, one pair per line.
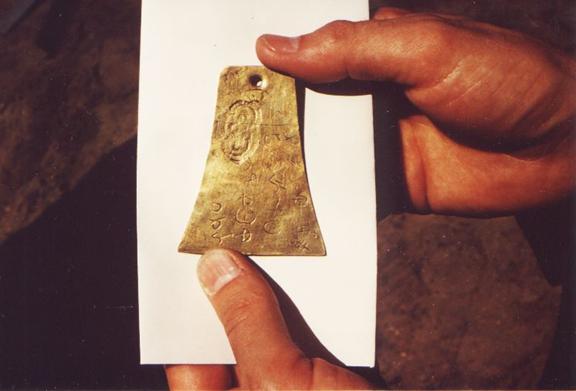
481, 303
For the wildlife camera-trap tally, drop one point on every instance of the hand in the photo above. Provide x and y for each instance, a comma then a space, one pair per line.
493, 132
266, 356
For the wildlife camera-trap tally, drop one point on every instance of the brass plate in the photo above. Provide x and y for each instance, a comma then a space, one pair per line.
254, 196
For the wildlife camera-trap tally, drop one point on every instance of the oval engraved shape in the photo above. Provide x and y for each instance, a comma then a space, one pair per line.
241, 131
245, 216
271, 227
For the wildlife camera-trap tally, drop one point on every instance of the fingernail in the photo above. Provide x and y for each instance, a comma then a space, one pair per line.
216, 268
280, 44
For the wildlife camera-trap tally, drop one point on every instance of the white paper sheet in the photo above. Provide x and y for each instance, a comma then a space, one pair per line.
184, 46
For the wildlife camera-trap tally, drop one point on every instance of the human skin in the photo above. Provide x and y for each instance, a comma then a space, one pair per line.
266, 356
493, 134
493, 131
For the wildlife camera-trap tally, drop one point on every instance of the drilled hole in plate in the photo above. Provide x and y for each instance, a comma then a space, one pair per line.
257, 81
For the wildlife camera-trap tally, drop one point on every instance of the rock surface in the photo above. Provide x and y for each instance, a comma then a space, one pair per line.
461, 302
69, 77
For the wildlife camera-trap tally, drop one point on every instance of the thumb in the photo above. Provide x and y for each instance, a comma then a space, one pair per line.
249, 311
396, 50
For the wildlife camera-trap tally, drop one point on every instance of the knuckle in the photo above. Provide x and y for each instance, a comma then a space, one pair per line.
435, 36
437, 30
338, 30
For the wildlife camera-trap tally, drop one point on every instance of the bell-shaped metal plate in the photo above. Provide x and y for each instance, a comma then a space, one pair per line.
254, 196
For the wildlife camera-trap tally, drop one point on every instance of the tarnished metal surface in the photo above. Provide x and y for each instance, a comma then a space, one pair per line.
254, 196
